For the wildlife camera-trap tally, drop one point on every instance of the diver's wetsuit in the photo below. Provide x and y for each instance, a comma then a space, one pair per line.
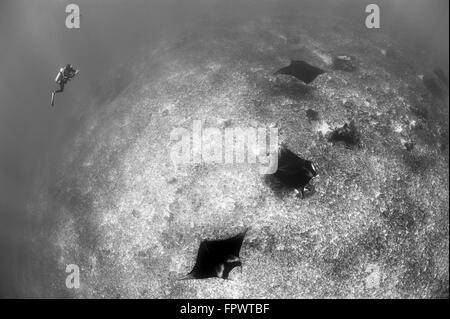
64, 75
61, 86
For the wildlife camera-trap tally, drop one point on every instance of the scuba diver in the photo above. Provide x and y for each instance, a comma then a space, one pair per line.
65, 74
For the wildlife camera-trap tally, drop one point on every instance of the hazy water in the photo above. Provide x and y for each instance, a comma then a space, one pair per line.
34, 43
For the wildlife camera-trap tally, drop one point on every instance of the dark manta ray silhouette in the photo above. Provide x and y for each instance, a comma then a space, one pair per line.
217, 258
302, 71
293, 171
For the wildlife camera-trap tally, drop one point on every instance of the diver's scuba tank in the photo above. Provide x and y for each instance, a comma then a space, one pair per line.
58, 78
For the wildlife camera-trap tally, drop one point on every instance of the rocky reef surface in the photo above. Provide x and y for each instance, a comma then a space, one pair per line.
377, 225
